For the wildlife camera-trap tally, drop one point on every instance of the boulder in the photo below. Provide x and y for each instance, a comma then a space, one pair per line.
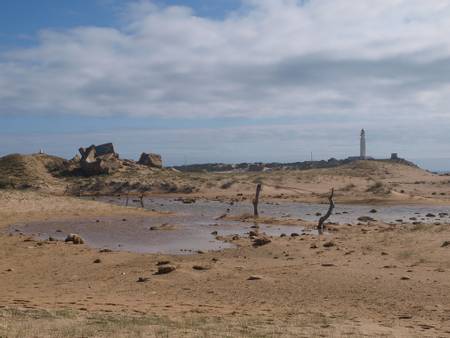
97, 160
151, 160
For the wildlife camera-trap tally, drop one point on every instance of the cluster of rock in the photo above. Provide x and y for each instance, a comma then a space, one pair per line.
103, 159
97, 160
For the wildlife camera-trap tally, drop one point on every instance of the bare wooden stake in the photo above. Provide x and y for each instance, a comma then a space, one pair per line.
321, 225
141, 199
128, 196
256, 200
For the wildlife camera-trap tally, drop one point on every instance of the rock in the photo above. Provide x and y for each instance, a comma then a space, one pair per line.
143, 279
430, 215
97, 160
283, 235
105, 149
313, 246
445, 244
150, 160
214, 233
328, 264
328, 244
253, 233
366, 219
235, 238
254, 277
294, 234
163, 263
260, 241
51, 239
105, 250
373, 211
405, 317
75, 239
405, 278
200, 267
165, 269
98, 260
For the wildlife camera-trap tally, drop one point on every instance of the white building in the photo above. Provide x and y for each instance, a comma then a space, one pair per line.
362, 145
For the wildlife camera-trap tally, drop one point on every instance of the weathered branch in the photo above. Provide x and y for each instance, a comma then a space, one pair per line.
256, 200
321, 225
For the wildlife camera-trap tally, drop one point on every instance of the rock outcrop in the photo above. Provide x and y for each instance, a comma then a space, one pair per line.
97, 160
151, 160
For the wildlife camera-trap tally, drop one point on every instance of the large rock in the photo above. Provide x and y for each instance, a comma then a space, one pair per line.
151, 160
97, 160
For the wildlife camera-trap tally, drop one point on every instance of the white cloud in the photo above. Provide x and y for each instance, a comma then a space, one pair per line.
368, 59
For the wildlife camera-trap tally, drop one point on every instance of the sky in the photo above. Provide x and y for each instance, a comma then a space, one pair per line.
227, 80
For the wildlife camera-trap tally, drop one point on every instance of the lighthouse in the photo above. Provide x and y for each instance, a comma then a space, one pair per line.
362, 145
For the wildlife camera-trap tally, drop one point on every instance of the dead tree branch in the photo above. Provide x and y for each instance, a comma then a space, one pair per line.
256, 200
321, 225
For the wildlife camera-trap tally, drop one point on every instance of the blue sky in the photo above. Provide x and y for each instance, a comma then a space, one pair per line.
227, 80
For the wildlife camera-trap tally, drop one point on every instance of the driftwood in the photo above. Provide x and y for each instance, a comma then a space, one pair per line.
256, 200
321, 225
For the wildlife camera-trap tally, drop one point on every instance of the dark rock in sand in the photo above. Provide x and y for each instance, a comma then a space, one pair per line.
260, 241
366, 219
328, 244
98, 260
200, 267
143, 279
445, 244
254, 278
253, 233
165, 269
75, 239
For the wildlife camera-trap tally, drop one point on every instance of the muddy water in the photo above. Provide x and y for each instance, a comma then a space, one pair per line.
192, 227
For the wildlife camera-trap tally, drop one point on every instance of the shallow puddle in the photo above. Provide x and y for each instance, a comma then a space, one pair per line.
193, 227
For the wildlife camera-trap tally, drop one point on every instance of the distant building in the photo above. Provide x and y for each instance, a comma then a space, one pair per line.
394, 156
362, 145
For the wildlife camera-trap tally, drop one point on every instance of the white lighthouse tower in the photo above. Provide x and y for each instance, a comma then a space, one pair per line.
362, 145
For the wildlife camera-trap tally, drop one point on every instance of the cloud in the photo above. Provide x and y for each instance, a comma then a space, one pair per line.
377, 61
